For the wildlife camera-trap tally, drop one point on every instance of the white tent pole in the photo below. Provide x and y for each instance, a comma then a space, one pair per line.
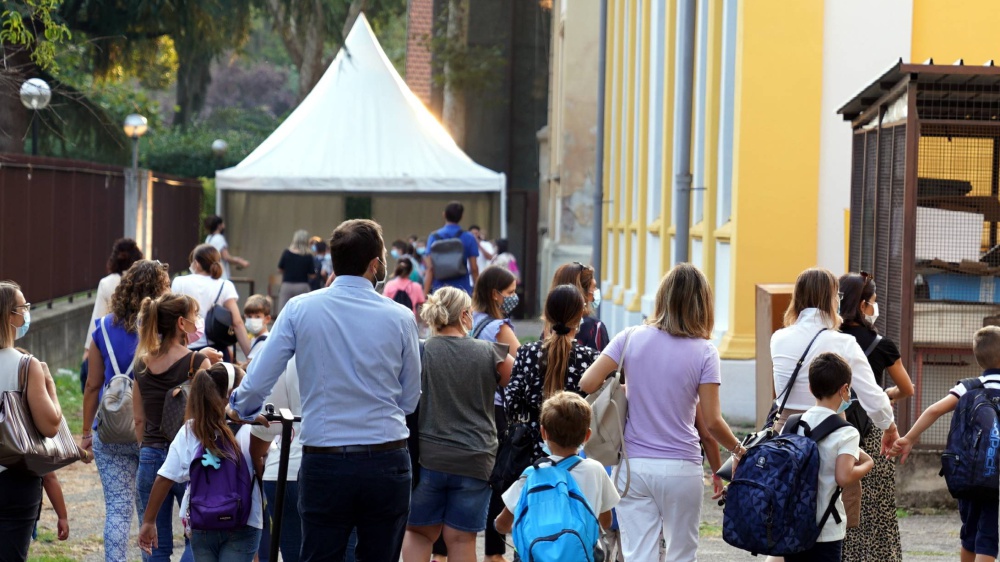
218, 199
503, 207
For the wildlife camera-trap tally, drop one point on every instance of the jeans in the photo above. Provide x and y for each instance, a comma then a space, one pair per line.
150, 461
338, 492
225, 546
20, 502
291, 525
117, 465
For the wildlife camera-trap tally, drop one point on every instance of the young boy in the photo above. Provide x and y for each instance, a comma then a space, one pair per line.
830, 383
979, 533
565, 421
257, 311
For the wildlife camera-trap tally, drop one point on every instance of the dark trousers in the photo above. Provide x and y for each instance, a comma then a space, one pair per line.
370, 492
20, 502
820, 552
291, 525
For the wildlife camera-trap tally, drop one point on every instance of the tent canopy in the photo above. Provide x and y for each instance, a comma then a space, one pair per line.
361, 129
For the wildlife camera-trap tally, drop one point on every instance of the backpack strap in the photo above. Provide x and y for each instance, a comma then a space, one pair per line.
568, 463
795, 374
793, 423
874, 344
111, 350
259, 339
972, 383
481, 325
828, 426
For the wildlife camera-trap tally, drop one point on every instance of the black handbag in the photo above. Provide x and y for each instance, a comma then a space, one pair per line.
516, 453
219, 323
767, 432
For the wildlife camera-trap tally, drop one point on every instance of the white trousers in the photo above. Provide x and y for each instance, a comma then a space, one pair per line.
664, 495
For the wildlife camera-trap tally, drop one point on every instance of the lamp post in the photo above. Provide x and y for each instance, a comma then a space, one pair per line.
134, 126
35, 95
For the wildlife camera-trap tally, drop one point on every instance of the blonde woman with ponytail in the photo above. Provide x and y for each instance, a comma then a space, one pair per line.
167, 325
545, 368
209, 287
458, 439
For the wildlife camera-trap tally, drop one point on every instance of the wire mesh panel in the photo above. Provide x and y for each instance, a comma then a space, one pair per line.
868, 202
857, 190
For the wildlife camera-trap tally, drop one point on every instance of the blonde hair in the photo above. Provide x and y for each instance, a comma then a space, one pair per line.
300, 242
257, 304
158, 322
986, 347
8, 300
444, 308
815, 288
684, 305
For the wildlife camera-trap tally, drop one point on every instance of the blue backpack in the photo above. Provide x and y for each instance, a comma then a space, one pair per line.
771, 502
554, 522
969, 462
221, 490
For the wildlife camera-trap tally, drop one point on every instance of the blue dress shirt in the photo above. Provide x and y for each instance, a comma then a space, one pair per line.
358, 358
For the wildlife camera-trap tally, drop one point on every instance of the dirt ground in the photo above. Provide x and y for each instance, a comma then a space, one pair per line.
926, 537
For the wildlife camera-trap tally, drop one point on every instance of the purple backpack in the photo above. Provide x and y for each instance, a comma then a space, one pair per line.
221, 491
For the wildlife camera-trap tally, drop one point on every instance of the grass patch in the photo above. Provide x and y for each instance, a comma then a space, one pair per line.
928, 553
902, 513
527, 339
71, 400
706, 530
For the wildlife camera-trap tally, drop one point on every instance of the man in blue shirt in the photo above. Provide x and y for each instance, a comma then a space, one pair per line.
358, 360
452, 216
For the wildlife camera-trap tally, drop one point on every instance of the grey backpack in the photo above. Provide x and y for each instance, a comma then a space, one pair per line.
115, 423
448, 258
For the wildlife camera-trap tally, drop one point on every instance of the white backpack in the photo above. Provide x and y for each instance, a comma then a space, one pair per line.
115, 423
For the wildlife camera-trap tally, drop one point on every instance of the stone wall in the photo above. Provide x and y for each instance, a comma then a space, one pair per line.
57, 334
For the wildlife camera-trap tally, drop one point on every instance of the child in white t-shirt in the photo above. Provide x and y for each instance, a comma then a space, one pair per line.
841, 461
257, 313
565, 422
207, 402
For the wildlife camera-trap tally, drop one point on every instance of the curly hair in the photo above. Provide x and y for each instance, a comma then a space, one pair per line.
124, 253
144, 279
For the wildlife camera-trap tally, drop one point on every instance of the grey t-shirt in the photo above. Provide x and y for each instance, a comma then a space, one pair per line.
457, 382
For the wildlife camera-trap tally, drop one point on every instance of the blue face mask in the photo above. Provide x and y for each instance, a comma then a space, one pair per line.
394, 253
844, 405
22, 330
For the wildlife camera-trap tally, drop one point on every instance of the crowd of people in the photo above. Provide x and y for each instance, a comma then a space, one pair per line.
402, 435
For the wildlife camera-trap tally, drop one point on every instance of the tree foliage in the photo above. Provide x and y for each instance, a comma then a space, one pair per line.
32, 25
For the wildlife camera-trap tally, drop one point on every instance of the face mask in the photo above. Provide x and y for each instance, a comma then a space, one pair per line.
255, 325
421, 250
844, 405
871, 318
192, 268
597, 298
394, 253
199, 331
376, 281
509, 304
313, 248
22, 330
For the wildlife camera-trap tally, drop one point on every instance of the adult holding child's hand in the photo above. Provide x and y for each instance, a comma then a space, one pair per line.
671, 367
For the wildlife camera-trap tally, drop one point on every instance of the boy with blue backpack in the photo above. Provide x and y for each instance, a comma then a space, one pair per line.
557, 507
969, 463
784, 499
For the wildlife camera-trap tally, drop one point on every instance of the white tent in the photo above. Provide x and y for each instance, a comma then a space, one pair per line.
360, 132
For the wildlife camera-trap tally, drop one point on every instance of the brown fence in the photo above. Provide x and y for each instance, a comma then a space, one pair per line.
59, 219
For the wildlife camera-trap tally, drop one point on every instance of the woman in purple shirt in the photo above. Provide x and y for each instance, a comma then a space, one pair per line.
670, 365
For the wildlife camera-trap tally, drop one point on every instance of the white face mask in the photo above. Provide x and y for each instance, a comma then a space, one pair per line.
255, 325
597, 298
871, 318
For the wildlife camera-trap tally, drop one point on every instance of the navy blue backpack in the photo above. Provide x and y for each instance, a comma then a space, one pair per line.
554, 522
771, 502
969, 462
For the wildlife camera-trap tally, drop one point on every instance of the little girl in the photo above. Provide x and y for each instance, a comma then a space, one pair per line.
207, 446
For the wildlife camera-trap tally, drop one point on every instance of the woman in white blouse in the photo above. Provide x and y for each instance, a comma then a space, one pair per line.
124, 253
813, 314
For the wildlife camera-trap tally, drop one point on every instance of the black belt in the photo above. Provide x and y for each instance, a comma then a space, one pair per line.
349, 449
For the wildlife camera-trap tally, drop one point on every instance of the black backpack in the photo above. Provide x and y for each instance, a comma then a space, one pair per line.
448, 257
402, 298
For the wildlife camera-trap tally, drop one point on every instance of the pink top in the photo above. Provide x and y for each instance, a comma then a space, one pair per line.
412, 290
662, 375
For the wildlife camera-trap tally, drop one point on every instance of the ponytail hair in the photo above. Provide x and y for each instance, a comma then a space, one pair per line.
564, 309
444, 308
206, 408
158, 322
403, 268
208, 258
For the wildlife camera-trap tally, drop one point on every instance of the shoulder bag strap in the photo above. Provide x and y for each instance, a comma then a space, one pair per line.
621, 364
874, 344
219, 294
22, 373
795, 374
111, 350
191, 371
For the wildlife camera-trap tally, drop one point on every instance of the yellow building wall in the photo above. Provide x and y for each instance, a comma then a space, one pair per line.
776, 150
946, 31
